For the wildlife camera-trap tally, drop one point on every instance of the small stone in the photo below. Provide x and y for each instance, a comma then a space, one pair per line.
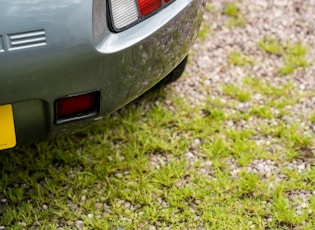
196, 143
45, 206
23, 224
299, 212
83, 198
152, 227
98, 205
290, 167
189, 155
268, 168
79, 224
208, 164
301, 167
260, 167
119, 175
127, 204
90, 216
203, 171
230, 123
73, 206
69, 223
179, 183
2, 227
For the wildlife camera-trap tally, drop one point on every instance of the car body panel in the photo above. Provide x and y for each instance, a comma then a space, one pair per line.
80, 54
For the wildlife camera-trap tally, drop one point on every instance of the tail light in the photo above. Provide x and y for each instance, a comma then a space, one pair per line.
126, 13
146, 7
77, 107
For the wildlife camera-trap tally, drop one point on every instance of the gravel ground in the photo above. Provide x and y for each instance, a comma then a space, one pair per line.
208, 70
284, 20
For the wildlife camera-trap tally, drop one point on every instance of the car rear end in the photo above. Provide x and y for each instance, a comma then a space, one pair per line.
65, 64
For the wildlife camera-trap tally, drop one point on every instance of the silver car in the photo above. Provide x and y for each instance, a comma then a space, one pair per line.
65, 64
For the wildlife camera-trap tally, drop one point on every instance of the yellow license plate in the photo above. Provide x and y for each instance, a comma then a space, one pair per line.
7, 130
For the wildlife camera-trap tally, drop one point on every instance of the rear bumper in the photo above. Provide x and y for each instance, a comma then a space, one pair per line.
122, 66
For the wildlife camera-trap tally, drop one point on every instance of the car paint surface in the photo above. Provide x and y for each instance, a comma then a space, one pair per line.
75, 52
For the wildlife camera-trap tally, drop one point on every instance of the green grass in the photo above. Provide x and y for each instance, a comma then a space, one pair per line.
294, 55
105, 175
272, 46
237, 93
235, 22
204, 31
239, 59
210, 8
312, 117
234, 13
232, 10
205, 28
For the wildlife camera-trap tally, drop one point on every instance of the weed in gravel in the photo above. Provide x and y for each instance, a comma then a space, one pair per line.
235, 22
232, 10
210, 7
137, 171
204, 31
248, 184
261, 111
293, 136
237, 93
294, 58
267, 89
205, 28
312, 117
294, 55
272, 46
239, 59
234, 13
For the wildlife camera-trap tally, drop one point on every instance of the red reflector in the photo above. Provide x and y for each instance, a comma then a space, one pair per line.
76, 107
149, 6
